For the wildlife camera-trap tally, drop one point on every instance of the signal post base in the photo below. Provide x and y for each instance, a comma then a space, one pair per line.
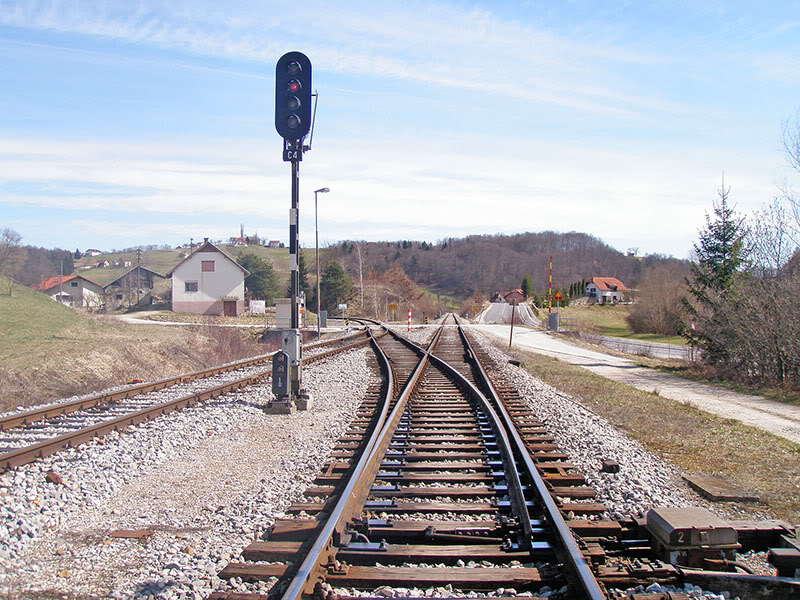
303, 401
280, 407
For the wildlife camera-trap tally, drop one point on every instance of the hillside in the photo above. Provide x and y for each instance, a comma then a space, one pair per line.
48, 350
487, 263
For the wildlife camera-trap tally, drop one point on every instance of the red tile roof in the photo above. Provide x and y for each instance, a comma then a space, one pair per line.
609, 284
52, 282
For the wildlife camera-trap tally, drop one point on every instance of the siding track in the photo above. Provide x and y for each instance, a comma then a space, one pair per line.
41, 432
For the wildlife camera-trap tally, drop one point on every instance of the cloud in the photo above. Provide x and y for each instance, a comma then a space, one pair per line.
619, 194
431, 44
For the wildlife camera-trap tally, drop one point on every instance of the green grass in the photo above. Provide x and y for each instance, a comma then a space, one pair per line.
610, 320
28, 318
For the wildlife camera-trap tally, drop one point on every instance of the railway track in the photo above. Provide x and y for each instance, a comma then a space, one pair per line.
29, 435
428, 488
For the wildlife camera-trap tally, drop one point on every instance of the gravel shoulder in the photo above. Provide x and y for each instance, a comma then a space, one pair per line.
777, 418
207, 480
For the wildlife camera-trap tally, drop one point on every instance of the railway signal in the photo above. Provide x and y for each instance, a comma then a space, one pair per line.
293, 96
293, 122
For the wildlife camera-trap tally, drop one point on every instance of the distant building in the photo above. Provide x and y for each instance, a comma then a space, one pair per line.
131, 287
275, 244
73, 290
605, 290
92, 252
514, 296
208, 282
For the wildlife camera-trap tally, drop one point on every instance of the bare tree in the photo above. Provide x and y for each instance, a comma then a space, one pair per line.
12, 255
791, 145
771, 238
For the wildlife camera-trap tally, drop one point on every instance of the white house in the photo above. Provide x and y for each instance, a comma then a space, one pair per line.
74, 290
605, 290
208, 282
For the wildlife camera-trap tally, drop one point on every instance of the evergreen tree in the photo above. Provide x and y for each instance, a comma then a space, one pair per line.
77, 254
527, 285
719, 256
335, 287
262, 283
69, 263
302, 269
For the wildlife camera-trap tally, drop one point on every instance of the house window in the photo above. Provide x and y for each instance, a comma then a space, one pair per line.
74, 284
118, 296
208, 266
190, 286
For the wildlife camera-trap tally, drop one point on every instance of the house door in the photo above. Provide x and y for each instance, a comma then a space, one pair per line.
229, 308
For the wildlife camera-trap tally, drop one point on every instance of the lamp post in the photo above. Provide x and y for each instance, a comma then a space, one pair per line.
316, 249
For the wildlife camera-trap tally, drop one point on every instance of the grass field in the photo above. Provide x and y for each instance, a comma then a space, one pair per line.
610, 320
48, 350
691, 439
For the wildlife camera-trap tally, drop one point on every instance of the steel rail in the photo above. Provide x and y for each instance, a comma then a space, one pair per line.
28, 454
575, 559
513, 479
65, 408
358, 486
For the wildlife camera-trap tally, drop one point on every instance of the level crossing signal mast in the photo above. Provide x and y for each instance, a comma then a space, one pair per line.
293, 123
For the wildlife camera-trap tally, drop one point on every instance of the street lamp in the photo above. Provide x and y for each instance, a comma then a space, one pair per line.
316, 250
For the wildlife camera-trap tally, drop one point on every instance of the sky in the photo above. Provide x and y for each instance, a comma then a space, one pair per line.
152, 122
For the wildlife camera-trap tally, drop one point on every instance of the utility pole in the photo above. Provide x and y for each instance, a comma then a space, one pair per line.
138, 274
360, 276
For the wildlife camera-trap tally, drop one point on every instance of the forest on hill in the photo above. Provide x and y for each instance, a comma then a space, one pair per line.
487, 263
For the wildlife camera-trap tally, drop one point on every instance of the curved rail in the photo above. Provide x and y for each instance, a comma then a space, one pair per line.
357, 488
574, 557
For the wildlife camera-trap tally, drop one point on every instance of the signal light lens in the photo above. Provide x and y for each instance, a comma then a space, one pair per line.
294, 86
293, 68
293, 121
293, 103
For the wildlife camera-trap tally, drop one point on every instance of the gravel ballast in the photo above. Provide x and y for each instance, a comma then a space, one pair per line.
207, 480
211, 479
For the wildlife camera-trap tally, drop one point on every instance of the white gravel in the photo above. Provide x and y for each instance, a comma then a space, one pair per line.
208, 480
643, 480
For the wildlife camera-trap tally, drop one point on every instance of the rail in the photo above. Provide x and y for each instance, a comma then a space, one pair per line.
572, 554
357, 488
65, 408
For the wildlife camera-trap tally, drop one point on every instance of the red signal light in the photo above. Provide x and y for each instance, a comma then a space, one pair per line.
294, 86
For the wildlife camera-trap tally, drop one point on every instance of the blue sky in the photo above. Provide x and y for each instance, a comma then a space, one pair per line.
125, 123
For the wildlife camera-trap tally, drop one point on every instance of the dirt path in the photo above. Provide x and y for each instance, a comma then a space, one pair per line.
777, 418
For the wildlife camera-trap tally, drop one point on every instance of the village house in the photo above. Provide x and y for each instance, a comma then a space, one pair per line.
514, 297
605, 290
73, 290
134, 286
208, 282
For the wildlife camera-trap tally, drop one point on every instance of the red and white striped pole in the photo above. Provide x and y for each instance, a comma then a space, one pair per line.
409, 319
550, 288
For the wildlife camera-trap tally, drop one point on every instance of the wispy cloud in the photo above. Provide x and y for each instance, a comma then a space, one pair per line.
433, 44
545, 186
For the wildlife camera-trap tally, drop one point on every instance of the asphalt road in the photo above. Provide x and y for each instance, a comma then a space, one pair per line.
775, 417
500, 312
